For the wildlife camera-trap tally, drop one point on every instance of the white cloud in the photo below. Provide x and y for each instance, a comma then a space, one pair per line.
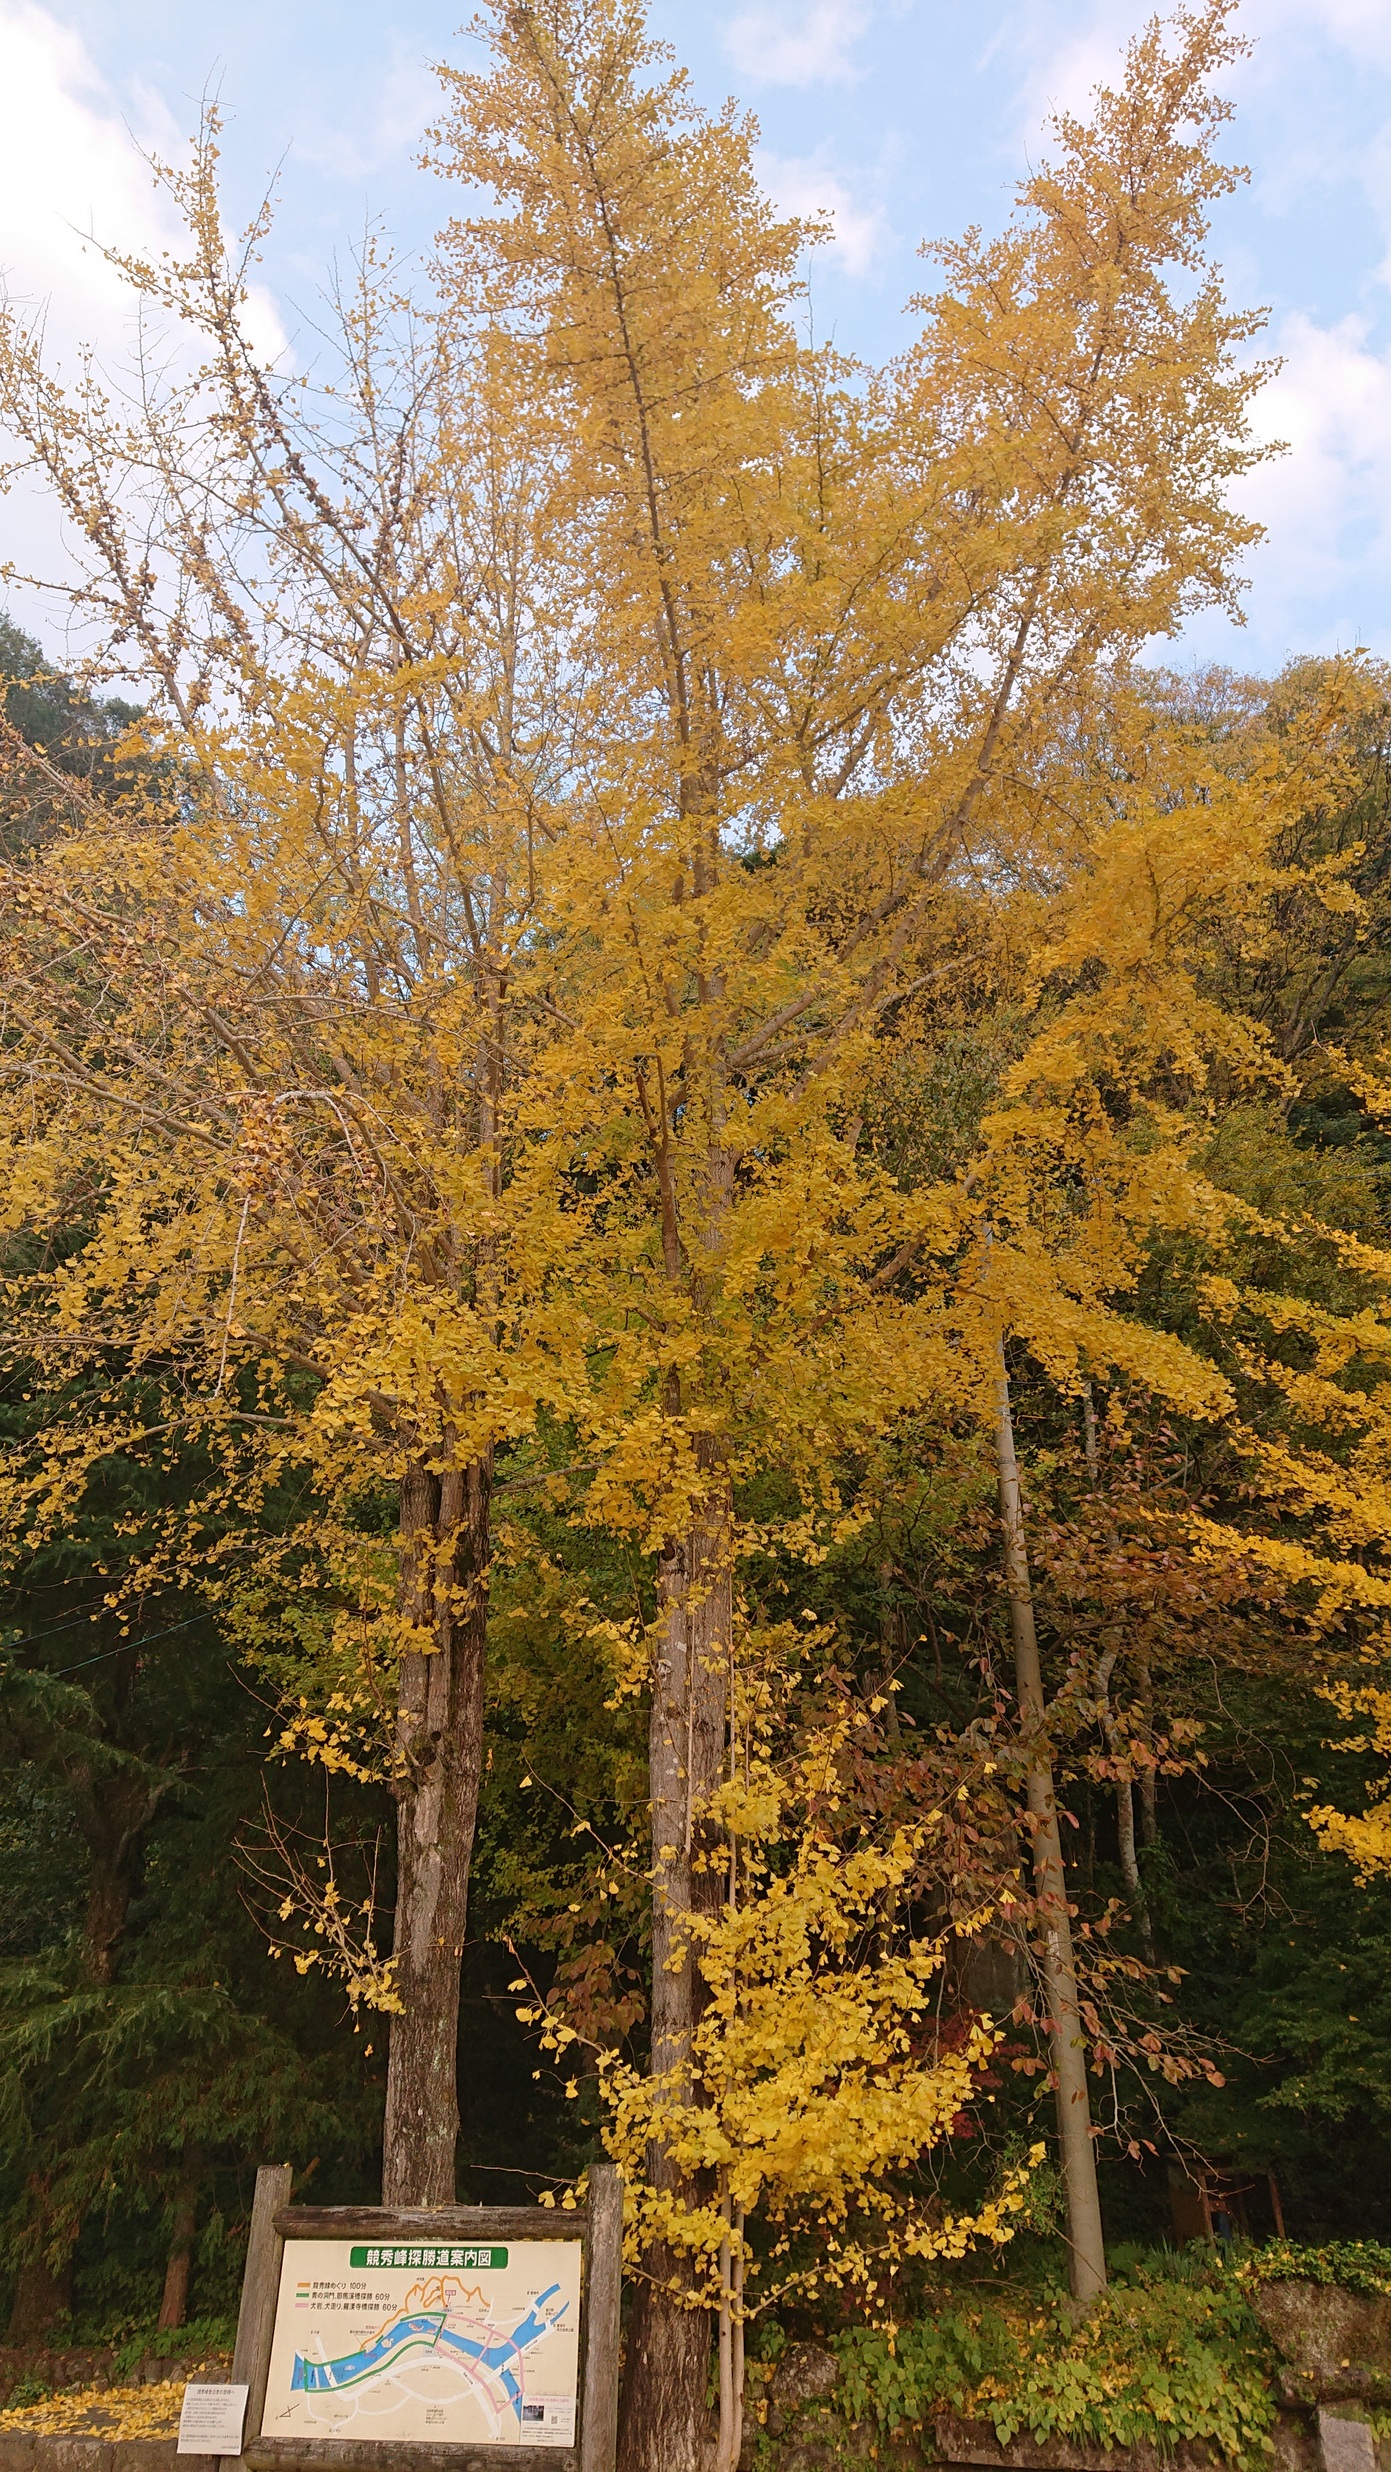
790, 45
1318, 580
68, 166
1362, 27
802, 185
1068, 50
403, 100
74, 174
1059, 61
1327, 503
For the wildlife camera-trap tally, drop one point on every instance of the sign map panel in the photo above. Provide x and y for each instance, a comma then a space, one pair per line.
443, 2344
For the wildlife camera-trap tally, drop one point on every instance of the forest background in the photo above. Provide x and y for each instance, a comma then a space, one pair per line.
644, 963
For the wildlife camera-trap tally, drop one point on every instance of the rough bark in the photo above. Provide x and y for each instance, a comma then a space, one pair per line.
439, 1742
173, 2307
1085, 2243
115, 1798
664, 2419
113, 1819
42, 2298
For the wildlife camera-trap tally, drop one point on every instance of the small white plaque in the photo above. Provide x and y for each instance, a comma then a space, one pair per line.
211, 2420
549, 2420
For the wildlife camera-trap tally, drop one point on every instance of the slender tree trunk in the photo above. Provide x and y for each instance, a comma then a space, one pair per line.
1085, 2243
1125, 1807
173, 2307
1149, 1783
1130, 1862
893, 1639
439, 1738
664, 2416
731, 2434
730, 2441
1125, 1791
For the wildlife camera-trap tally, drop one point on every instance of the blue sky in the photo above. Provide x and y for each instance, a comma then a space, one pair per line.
904, 118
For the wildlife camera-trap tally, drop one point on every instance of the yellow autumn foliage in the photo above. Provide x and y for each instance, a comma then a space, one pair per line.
817, 2077
1364, 1837
99, 2413
577, 757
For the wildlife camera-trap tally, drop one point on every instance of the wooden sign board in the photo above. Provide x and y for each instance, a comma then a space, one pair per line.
469, 2339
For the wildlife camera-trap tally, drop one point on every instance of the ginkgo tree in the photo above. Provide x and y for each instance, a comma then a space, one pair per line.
576, 744
260, 1037
834, 625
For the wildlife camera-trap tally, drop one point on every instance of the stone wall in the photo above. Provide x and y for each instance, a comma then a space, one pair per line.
1335, 2370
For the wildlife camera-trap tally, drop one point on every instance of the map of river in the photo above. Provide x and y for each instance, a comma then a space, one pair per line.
437, 2344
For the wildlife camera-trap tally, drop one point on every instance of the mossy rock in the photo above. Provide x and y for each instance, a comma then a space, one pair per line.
1336, 2344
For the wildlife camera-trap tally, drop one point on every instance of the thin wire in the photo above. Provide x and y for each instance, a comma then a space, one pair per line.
100, 1659
58, 1627
147, 1642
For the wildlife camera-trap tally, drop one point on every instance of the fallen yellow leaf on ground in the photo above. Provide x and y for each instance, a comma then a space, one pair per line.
103, 2412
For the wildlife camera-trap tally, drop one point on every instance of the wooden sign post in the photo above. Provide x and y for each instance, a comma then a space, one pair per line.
468, 2339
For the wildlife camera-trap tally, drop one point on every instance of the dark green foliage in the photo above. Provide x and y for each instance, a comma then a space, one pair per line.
147, 2039
187, 2060
1154, 2361
1286, 1970
76, 732
177, 2344
26, 2391
41, 1865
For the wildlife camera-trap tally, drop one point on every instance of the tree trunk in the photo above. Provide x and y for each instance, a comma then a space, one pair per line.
1125, 1809
664, 2421
1149, 1782
173, 2307
730, 2444
439, 1743
42, 2296
1085, 2243
113, 1808
1130, 1863
1125, 1791
109, 1892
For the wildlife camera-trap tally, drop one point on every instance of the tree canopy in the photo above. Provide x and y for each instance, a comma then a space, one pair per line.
657, 1090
